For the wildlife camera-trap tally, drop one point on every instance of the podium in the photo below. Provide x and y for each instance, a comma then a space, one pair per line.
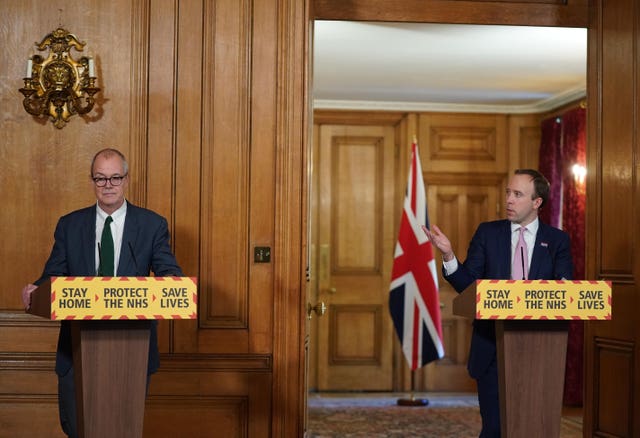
110, 351
531, 344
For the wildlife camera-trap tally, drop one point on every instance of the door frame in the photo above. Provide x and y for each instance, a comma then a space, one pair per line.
572, 13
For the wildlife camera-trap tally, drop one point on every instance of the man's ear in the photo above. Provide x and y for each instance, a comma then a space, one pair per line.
537, 203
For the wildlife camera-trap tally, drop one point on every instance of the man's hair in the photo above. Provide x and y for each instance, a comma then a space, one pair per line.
540, 184
108, 153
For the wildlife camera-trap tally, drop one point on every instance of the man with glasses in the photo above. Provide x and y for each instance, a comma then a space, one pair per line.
138, 244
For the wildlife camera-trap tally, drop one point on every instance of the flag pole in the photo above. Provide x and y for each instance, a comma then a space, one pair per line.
413, 401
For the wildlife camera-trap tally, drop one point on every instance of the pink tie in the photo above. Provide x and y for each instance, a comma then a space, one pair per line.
520, 259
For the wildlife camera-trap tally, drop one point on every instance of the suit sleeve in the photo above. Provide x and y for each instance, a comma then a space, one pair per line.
163, 262
473, 267
56, 264
562, 260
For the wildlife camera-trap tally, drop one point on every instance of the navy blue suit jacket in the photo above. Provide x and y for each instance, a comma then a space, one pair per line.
489, 257
145, 248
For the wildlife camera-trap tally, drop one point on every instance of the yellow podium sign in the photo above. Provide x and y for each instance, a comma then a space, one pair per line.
105, 298
543, 299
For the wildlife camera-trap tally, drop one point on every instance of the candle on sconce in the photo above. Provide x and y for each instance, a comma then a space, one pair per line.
29, 69
92, 72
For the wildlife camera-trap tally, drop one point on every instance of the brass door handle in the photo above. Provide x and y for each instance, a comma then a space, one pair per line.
319, 308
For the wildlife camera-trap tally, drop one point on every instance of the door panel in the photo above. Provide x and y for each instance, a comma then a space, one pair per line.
457, 210
355, 226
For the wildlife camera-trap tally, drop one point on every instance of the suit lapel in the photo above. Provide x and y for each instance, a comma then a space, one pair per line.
540, 251
504, 250
89, 241
126, 264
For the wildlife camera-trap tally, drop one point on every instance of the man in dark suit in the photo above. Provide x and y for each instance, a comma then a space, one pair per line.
140, 243
491, 255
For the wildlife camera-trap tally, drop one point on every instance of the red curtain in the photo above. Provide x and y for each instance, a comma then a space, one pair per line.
563, 146
550, 166
573, 221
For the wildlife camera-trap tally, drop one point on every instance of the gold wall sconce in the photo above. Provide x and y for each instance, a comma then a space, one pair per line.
59, 86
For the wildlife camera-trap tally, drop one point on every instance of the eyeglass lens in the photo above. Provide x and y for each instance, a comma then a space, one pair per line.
102, 181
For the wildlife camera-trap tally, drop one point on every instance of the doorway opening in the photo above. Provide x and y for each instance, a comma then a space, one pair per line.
376, 86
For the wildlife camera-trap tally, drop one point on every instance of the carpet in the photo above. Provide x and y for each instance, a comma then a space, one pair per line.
446, 416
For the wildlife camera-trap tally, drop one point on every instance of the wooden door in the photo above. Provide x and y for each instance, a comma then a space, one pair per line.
354, 254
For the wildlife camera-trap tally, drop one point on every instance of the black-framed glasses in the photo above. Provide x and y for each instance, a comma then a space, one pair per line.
101, 181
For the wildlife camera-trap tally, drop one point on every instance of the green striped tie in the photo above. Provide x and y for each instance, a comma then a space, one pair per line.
106, 250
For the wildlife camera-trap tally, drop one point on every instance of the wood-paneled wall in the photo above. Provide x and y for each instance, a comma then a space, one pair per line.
207, 100
612, 368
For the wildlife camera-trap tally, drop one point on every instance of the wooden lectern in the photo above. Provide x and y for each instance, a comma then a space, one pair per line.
110, 358
531, 365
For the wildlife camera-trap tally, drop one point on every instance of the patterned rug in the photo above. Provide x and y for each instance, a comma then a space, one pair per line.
446, 416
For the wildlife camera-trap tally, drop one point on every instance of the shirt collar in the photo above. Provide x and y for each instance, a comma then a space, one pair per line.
118, 214
532, 227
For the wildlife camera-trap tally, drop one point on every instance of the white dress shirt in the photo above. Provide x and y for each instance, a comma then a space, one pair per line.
117, 230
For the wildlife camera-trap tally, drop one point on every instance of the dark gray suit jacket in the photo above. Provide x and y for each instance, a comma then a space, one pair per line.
489, 257
145, 248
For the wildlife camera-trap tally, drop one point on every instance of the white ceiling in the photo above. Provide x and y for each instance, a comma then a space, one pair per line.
447, 67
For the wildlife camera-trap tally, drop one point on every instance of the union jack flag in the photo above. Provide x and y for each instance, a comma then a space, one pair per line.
413, 298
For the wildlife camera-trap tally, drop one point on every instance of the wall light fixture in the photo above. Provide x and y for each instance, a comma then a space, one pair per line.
59, 86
